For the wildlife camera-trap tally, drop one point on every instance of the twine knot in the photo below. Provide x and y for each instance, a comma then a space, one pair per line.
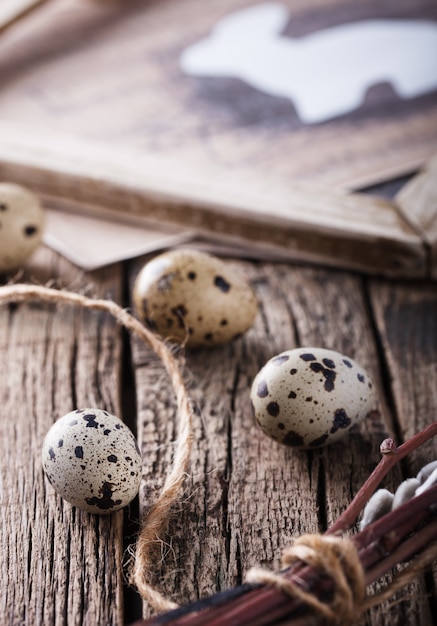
333, 557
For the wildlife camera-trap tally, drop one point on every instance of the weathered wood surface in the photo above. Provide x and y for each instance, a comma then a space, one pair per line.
406, 316
245, 496
58, 565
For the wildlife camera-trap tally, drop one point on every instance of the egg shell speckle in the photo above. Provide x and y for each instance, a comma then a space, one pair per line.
92, 460
188, 295
311, 397
21, 225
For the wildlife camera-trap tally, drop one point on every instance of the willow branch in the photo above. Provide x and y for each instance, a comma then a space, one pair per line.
391, 455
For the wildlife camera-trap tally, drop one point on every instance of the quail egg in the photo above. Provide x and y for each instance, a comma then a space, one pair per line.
92, 460
311, 397
194, 297
21, 225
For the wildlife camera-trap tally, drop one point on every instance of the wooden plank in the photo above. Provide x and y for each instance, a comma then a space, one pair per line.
352, 230
245, 496
406, 315
13, 10
59, 565
417, 201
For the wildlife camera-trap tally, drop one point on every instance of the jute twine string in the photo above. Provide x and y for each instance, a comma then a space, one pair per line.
338, 558
333, 556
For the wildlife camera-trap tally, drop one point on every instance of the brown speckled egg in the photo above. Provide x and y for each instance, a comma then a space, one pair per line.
21, 225
92, 460
311, 397
187, 295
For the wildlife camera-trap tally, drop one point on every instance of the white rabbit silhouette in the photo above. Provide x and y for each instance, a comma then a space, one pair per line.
325, 74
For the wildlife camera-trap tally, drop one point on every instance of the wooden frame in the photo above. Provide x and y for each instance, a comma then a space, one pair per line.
355, 231
261, 217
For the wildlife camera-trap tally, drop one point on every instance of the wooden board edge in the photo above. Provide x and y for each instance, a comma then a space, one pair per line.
353, 231
417, 203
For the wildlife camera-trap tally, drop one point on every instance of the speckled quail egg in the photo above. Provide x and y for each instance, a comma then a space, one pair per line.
311, 397
92, 460
21, 225
192, 296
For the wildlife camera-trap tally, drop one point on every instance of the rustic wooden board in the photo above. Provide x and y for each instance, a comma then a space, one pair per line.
58, 565
49, 64
245, 495
406, 316
210, 154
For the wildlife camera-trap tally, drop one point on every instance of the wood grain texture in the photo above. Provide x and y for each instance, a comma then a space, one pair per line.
246, 497
59, 565
406, 318
406, 315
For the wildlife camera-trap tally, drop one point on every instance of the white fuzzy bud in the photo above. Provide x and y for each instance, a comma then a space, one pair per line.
378, 505
426, 471
405, 492
429, 482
